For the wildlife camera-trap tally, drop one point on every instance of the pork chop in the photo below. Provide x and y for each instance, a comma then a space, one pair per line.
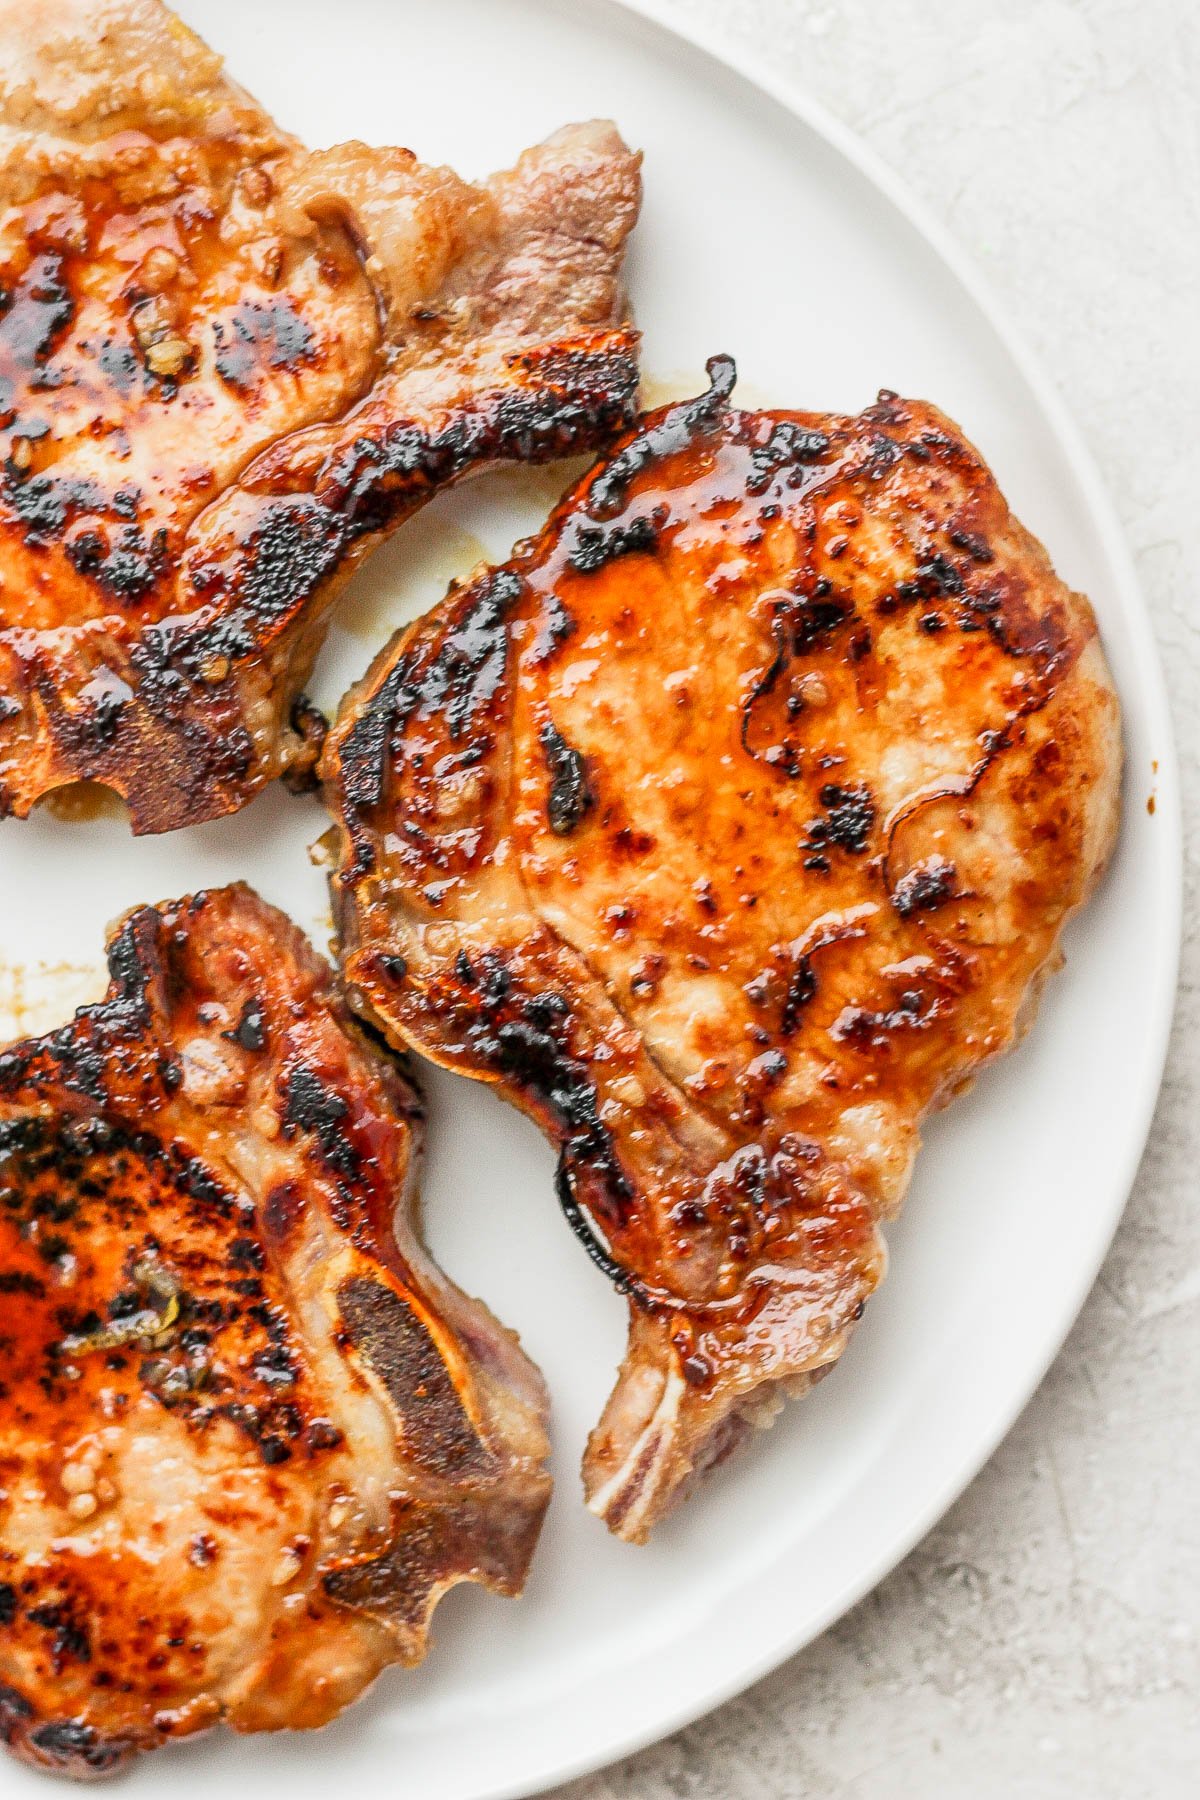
250, 1434
227, 367
727, 829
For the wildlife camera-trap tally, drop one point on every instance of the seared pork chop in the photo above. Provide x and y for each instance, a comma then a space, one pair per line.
249, 1433
727, 829
226, 368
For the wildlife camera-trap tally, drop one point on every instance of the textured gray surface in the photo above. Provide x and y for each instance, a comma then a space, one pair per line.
1042, 1644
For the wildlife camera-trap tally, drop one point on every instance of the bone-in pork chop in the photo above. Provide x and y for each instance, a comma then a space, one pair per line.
727, 829
249, 1434
226, 368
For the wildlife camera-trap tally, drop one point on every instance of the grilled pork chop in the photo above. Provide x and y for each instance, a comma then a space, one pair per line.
727, 829
226, 368
249, 1433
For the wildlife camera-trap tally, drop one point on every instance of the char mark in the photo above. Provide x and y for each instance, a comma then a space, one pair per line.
250, 1032
846, 823
101, 536
927, 886
565, 401
461, 675
670, 433
78, 1747
292, 547
976, 547
69, 1640
570, 796
594, 546
254, 335
801, 988
800, 623
791, 447
867, 1028
935, 578
311, 1106
815, 617
527, 1040
36, 313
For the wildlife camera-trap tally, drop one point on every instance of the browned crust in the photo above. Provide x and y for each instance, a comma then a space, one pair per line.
153, 1133
190, 718
227, 369
827, 563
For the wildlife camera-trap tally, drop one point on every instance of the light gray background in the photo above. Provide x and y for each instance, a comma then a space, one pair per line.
1042, 1644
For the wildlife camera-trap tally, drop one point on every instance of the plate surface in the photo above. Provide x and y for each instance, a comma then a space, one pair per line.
767, 233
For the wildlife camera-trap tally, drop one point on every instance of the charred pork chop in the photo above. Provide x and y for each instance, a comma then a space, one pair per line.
226, 368
727, 829
249, 1433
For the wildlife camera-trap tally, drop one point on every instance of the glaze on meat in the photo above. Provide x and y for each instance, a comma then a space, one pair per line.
727, 829
249, 1434
227, 367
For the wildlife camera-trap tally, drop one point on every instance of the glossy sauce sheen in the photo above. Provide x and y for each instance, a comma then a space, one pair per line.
227, 366
248, 1433
728, 828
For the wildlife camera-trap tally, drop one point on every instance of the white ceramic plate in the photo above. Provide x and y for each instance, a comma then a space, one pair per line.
767, 232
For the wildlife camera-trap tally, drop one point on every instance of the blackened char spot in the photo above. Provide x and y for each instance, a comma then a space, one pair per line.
69, 1638
527, 1039
933, 578
110, 548
8, 1603
555, 626
802, 986
70, 1741
814, 617
294, 544
533, 1051
394, 1340
670, 433
40, 308
462, 673
256, 334
102, 701
926, 886
47, 504
800, 623
132, 957
866, 1028
790, 446
468, 671
570, 795
847, 821
125, 563
311, 1106
250, 1032
562, 402
594, 546
14, 1708
976, 547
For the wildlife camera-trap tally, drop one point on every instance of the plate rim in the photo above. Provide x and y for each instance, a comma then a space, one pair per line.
752, 68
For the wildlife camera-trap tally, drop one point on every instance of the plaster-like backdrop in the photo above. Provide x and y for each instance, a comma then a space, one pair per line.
1042, 1644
